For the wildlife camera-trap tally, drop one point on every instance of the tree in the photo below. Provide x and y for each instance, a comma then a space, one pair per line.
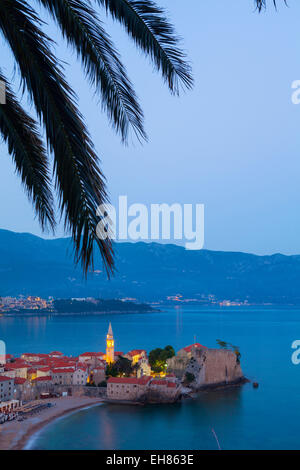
235, 349
79, 181
121, 367
189, 377
222, 344
158, 358
111, 371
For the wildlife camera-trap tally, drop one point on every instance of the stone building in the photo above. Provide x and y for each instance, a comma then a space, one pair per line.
80, 376
62, 376
189, 351
143, 368
97, 374
6, 388
144, 389
127, 388
136, 355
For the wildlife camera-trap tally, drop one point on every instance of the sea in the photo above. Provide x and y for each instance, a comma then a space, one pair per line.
240, 417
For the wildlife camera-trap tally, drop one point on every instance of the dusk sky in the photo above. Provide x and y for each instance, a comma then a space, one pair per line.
232, 143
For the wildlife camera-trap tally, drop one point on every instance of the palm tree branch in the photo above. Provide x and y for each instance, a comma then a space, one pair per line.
26, 147
79, 181
260, 4
83, 30
147, 24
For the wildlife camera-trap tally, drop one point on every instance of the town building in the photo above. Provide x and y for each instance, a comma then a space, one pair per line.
80, 376
127, 388
6, 388
110, 346
136, 355
189, 351
62, 376
145, 389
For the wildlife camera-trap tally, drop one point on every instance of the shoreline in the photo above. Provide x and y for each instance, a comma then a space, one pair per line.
65, 314
15, 435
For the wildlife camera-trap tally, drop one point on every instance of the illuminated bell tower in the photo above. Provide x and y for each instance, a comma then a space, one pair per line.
110, 346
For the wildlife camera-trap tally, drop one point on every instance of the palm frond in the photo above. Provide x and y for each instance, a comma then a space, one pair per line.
84, 31
79, 181
20, 132
261, 4
147, 24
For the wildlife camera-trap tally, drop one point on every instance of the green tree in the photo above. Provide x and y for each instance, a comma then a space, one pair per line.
102, 384
222, 344
189, 377
235, 349
158, 358
124, 366
111, 371
121, 367
78, 179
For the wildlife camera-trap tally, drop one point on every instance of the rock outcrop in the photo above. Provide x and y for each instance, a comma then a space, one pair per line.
206, 367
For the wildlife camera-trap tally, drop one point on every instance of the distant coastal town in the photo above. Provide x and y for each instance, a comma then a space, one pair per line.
38, 305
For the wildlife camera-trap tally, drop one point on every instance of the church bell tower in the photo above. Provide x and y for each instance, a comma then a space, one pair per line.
110, 346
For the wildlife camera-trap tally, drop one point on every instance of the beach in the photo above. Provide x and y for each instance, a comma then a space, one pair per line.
14, 435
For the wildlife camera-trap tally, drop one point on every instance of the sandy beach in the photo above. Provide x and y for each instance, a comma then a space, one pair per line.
14, 434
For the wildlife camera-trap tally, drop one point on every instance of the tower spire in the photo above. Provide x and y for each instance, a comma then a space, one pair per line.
110, 346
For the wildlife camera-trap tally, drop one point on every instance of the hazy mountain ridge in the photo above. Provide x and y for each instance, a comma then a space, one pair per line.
146, 271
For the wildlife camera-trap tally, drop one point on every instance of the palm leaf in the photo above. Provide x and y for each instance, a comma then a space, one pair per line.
260, 4
25, 145
79, 182
83, 30
146, 23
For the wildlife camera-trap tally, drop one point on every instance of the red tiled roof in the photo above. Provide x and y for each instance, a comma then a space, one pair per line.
171, 375
159, 382
44, 369
92, 354
136, 352
4, 379
196, 345
46, 378
56, 353
13, 366
145, 379
81, 365
62, 365
129, 380
119, 353
171, 385
35, 354
63, 371
19, 380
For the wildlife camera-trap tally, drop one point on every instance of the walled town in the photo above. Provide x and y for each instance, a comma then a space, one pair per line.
113, 375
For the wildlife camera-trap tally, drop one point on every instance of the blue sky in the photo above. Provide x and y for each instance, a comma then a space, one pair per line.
233, 143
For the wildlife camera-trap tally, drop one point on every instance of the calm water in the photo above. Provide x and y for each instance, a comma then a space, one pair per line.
243, 418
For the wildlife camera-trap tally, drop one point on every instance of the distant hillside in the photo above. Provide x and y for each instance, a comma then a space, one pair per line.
34, 266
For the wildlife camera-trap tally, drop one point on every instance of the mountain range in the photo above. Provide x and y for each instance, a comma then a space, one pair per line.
31, 265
